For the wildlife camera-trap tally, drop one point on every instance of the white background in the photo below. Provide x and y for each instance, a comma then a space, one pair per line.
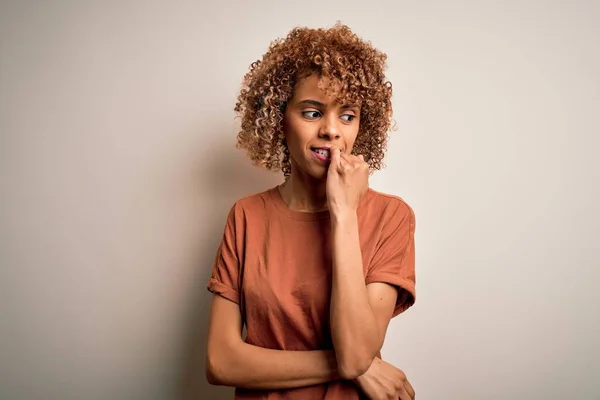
118, 167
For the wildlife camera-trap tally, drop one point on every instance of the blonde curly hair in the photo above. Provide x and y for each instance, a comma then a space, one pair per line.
355, 71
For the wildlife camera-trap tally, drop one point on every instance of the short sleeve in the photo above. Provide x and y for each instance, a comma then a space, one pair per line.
394, 260
225, 277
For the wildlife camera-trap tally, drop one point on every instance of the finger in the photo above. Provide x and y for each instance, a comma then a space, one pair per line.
334, 154
345, 158
349, 159
403, 395
359, 159
409, 389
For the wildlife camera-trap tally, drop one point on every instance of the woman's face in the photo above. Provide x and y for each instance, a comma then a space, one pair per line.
313, 122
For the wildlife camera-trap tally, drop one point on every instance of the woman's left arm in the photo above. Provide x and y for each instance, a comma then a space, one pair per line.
359, 313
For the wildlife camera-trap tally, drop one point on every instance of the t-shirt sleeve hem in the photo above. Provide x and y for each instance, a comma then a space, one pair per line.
216, 287
406, 293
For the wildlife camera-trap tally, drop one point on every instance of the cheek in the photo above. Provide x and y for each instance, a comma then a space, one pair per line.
288, 132
293, 141
351, 140
297, 134
291, 136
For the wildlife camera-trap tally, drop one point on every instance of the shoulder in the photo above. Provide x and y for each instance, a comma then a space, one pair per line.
387, 213
390, 207
255, 203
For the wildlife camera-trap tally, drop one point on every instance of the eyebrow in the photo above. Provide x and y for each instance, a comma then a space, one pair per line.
319, 104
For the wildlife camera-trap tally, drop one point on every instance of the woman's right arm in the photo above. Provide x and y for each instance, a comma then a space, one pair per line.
232, 362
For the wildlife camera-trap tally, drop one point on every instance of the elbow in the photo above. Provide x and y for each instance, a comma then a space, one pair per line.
215, 371
221, 364
213, 378
213, 375
352, 367
354, 360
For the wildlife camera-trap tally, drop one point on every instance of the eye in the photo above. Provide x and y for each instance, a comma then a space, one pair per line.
311, 114
348, 117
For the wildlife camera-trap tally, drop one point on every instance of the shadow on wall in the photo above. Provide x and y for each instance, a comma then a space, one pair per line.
228, 176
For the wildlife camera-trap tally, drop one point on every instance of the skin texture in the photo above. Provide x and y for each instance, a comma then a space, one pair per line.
360, 313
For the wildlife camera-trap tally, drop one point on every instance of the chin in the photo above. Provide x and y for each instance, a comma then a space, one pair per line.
317, 171
319, 174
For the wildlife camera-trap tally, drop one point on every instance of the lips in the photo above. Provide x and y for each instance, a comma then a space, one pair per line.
321, 153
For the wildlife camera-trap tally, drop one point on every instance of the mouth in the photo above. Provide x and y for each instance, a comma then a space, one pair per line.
321, 153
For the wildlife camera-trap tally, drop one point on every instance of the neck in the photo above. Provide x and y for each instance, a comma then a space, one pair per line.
304, 193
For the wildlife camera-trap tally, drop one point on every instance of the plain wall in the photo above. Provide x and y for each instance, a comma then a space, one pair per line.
118, 167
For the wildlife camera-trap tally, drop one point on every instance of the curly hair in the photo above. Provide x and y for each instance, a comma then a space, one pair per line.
355, 71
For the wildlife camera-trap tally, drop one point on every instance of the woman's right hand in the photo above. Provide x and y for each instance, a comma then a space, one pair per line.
383, 381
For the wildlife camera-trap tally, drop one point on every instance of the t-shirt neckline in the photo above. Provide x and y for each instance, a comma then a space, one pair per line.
301, 215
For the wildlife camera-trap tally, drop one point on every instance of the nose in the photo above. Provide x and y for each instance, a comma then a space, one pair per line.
329, 129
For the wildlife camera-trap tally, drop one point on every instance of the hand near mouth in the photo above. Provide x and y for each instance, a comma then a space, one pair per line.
347, 182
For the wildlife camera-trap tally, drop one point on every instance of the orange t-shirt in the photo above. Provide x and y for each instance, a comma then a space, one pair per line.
276, 264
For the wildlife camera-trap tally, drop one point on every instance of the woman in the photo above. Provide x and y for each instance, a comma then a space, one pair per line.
316, 267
